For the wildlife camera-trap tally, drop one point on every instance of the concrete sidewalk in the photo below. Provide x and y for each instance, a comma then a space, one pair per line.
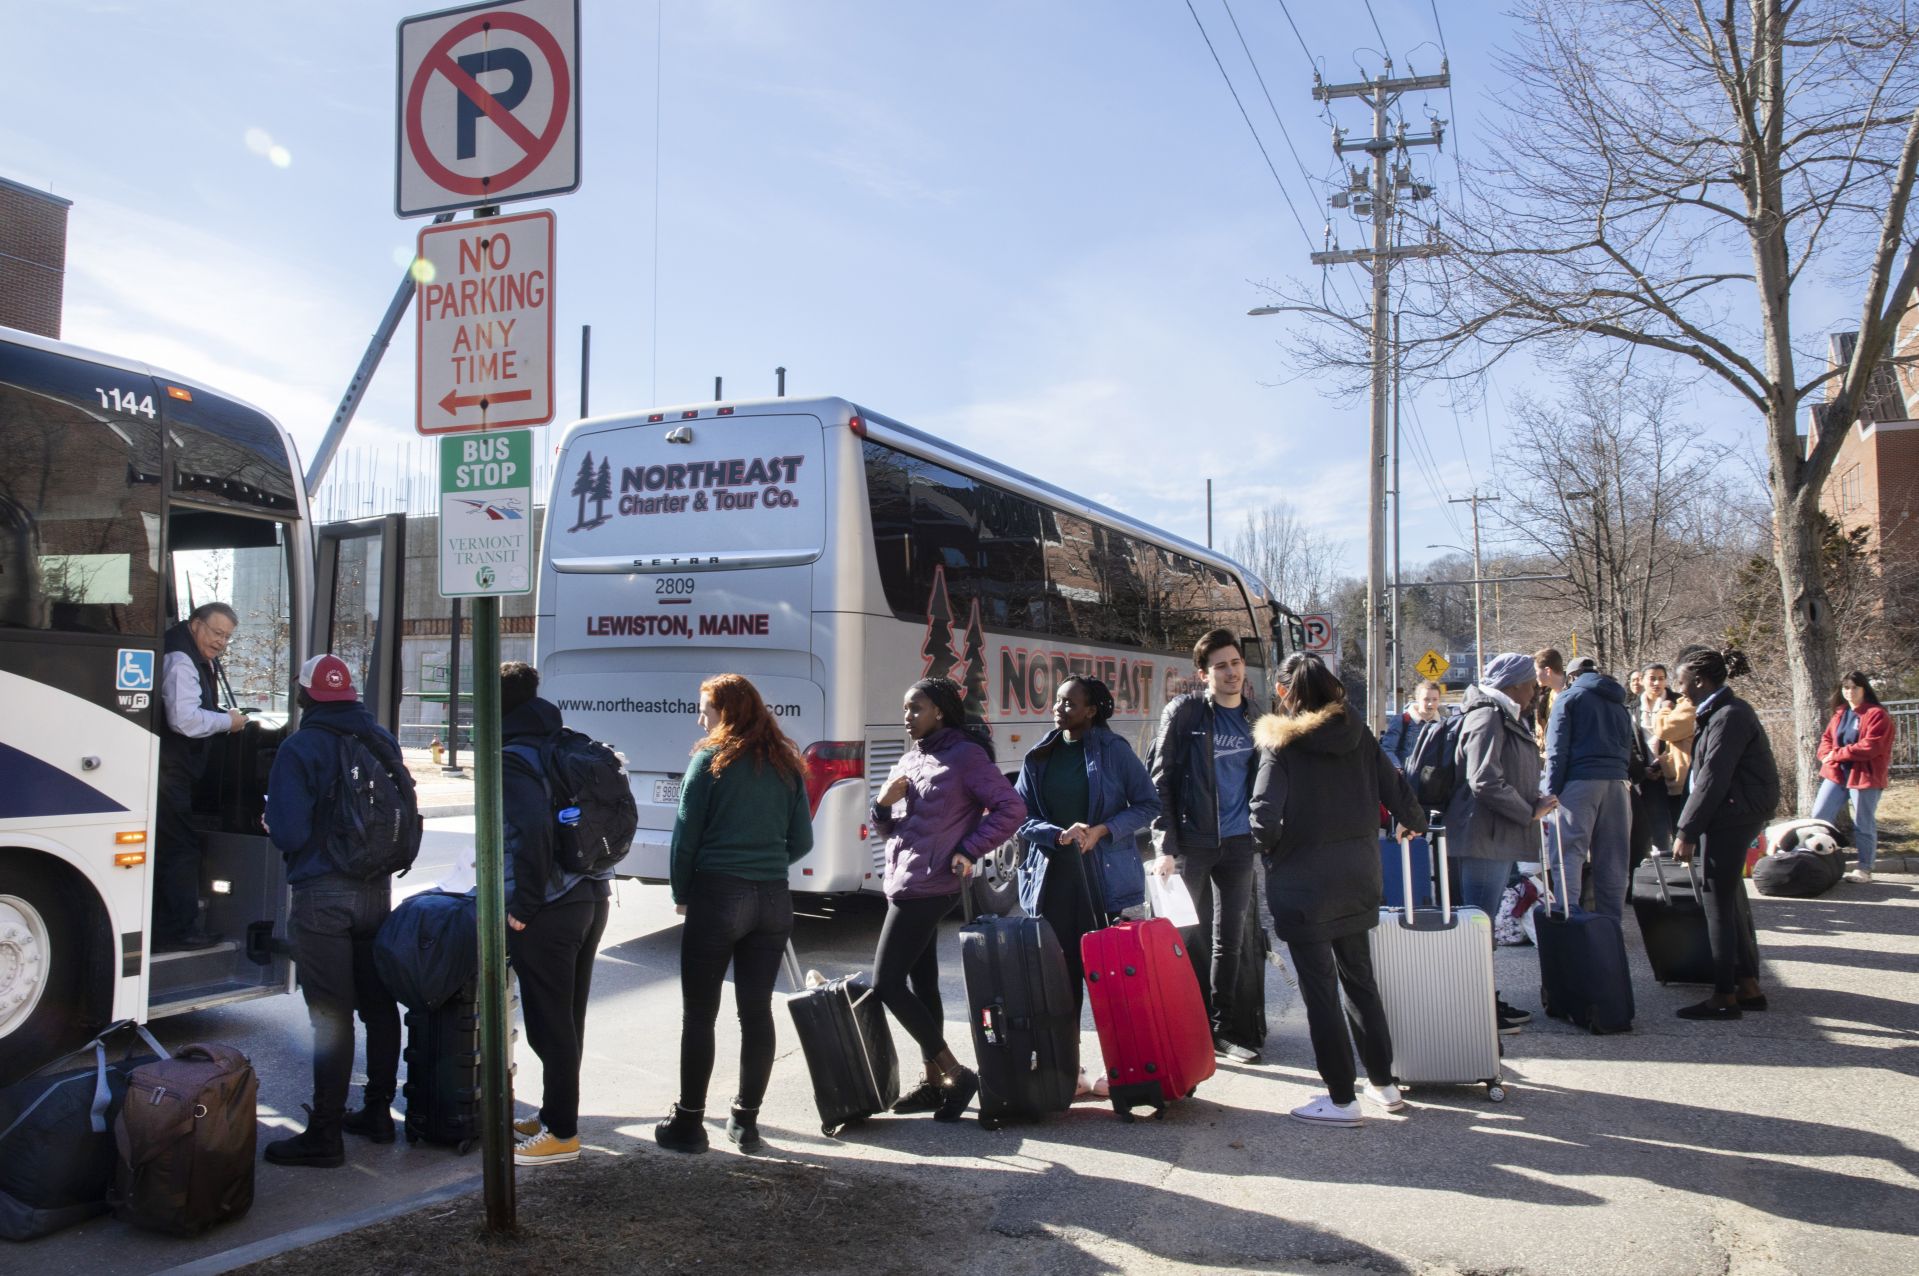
441, 796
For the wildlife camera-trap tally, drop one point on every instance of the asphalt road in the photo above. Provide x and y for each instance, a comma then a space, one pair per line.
1787, 1143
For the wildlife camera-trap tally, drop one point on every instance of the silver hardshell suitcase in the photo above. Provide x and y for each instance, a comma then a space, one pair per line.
1434, 968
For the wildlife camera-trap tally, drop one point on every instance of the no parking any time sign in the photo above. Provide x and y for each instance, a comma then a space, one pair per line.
489, 105
485, 324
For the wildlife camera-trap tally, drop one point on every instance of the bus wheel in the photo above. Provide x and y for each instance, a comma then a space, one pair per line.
40, 972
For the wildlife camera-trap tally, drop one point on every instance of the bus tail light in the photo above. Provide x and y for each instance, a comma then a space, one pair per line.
129, 859
132, 837
827, 763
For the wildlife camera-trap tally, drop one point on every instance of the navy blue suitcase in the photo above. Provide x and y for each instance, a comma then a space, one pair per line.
1583, 975
1392, 872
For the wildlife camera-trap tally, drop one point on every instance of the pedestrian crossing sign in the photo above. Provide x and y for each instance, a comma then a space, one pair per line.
1431, 665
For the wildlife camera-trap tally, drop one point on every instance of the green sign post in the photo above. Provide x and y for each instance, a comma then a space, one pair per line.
486, 550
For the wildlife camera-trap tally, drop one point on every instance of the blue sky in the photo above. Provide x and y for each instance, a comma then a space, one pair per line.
1033, 228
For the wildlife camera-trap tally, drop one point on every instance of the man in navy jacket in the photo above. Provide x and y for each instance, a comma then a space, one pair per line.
1589, 743
335, 915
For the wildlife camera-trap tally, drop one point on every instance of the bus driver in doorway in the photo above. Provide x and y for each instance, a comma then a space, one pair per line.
191, 717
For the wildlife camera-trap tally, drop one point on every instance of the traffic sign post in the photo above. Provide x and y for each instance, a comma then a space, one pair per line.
489, 105
1431, 665
485, 324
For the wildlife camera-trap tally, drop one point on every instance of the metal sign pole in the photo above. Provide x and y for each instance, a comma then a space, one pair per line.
496, 1094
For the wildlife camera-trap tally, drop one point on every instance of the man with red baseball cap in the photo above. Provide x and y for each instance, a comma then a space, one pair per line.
341, 809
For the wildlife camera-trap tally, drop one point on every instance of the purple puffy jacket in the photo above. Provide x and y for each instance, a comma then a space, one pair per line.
956, 800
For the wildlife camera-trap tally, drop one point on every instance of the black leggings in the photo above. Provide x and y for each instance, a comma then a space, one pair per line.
1324, 967
1735, 952
909, 954
745, 924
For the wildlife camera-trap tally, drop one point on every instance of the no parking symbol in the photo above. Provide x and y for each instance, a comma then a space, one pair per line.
489, 105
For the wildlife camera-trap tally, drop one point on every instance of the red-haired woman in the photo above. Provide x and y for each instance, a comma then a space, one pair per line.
743, 819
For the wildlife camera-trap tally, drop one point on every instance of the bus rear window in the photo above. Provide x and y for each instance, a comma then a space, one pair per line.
79, 517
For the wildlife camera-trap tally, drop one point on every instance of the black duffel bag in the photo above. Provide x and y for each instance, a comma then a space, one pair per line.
428, 948
56, 1135
1801, 874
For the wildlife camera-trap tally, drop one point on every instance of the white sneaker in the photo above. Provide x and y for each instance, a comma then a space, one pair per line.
1323, 1111
1386, 1096
1860, 875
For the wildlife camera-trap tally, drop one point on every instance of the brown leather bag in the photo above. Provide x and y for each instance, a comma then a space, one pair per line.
185, 1138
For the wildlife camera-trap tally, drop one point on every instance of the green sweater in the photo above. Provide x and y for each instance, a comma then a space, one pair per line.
749, 821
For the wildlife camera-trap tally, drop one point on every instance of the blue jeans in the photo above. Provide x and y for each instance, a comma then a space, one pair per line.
1482, 883
1865, 816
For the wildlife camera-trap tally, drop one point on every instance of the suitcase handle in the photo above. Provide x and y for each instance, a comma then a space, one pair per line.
1559, 844
1406, 875
1095, 893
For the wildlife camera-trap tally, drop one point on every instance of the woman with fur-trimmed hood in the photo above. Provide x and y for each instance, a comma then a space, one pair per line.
1316, 798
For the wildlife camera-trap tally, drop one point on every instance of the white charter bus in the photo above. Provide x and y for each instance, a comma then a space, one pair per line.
129, 495
835, 557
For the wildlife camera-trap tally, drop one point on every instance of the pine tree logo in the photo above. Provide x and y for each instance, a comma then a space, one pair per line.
974, 677
596, 486
938, 646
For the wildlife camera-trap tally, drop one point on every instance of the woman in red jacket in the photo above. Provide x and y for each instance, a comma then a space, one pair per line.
1855, 755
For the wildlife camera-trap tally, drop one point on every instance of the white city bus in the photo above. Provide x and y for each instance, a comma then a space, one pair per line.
129, 495
834, 557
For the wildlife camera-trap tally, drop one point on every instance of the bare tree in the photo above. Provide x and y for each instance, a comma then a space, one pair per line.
1299, 565
1625, 496
1671, 174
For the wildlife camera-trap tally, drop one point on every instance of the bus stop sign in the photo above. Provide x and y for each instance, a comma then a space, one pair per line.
486, 514
489, 105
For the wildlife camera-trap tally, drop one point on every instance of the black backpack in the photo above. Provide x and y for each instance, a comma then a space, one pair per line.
595, 815
375, 827
1434, 766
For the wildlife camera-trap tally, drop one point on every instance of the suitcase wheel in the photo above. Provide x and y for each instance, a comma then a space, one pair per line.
466, 1145
1124, 1115
1496, 1092
990, 1123
829, 1130
1190, 1093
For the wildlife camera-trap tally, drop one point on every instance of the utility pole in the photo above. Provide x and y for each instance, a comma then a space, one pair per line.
1479, 629
1378, 197
1399, 693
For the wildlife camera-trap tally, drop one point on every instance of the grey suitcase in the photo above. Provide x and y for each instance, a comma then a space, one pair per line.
1434, 968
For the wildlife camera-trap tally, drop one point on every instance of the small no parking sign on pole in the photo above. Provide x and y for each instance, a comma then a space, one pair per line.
489, 105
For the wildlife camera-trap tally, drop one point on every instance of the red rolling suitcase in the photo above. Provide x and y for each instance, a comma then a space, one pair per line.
1153, 1031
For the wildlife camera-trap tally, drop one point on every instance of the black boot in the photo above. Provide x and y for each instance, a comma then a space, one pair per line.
319, 1145
374, 1121
684, 1131
743, 1128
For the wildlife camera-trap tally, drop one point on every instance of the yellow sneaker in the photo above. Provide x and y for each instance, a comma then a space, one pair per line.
528, 1128
546, 1148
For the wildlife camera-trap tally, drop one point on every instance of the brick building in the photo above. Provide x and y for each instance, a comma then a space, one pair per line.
1874, 481
33, 258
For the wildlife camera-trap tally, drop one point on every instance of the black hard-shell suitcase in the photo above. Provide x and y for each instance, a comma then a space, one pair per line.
1025, 1027
442, 1089
848, 1047
1583, 974
56, 1136
1666, 898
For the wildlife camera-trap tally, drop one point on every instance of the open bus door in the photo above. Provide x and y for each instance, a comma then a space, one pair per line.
359, 596
355, 612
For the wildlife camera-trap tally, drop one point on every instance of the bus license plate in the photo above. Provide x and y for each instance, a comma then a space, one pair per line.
667, 791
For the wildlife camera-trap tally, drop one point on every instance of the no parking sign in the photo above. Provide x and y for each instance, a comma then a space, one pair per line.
489, 105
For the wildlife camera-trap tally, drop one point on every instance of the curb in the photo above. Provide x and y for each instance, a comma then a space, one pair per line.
445, 812
274, 1246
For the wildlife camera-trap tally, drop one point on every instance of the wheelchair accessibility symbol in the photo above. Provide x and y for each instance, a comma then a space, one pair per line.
133, 671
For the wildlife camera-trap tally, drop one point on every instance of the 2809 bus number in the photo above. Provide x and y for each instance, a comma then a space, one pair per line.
672, 584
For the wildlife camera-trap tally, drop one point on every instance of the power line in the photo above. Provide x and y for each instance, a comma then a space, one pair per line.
1383, 46
1257, 141
1311, 61
1450, 108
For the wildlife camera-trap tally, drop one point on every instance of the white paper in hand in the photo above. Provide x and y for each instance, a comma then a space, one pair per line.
1170, 899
